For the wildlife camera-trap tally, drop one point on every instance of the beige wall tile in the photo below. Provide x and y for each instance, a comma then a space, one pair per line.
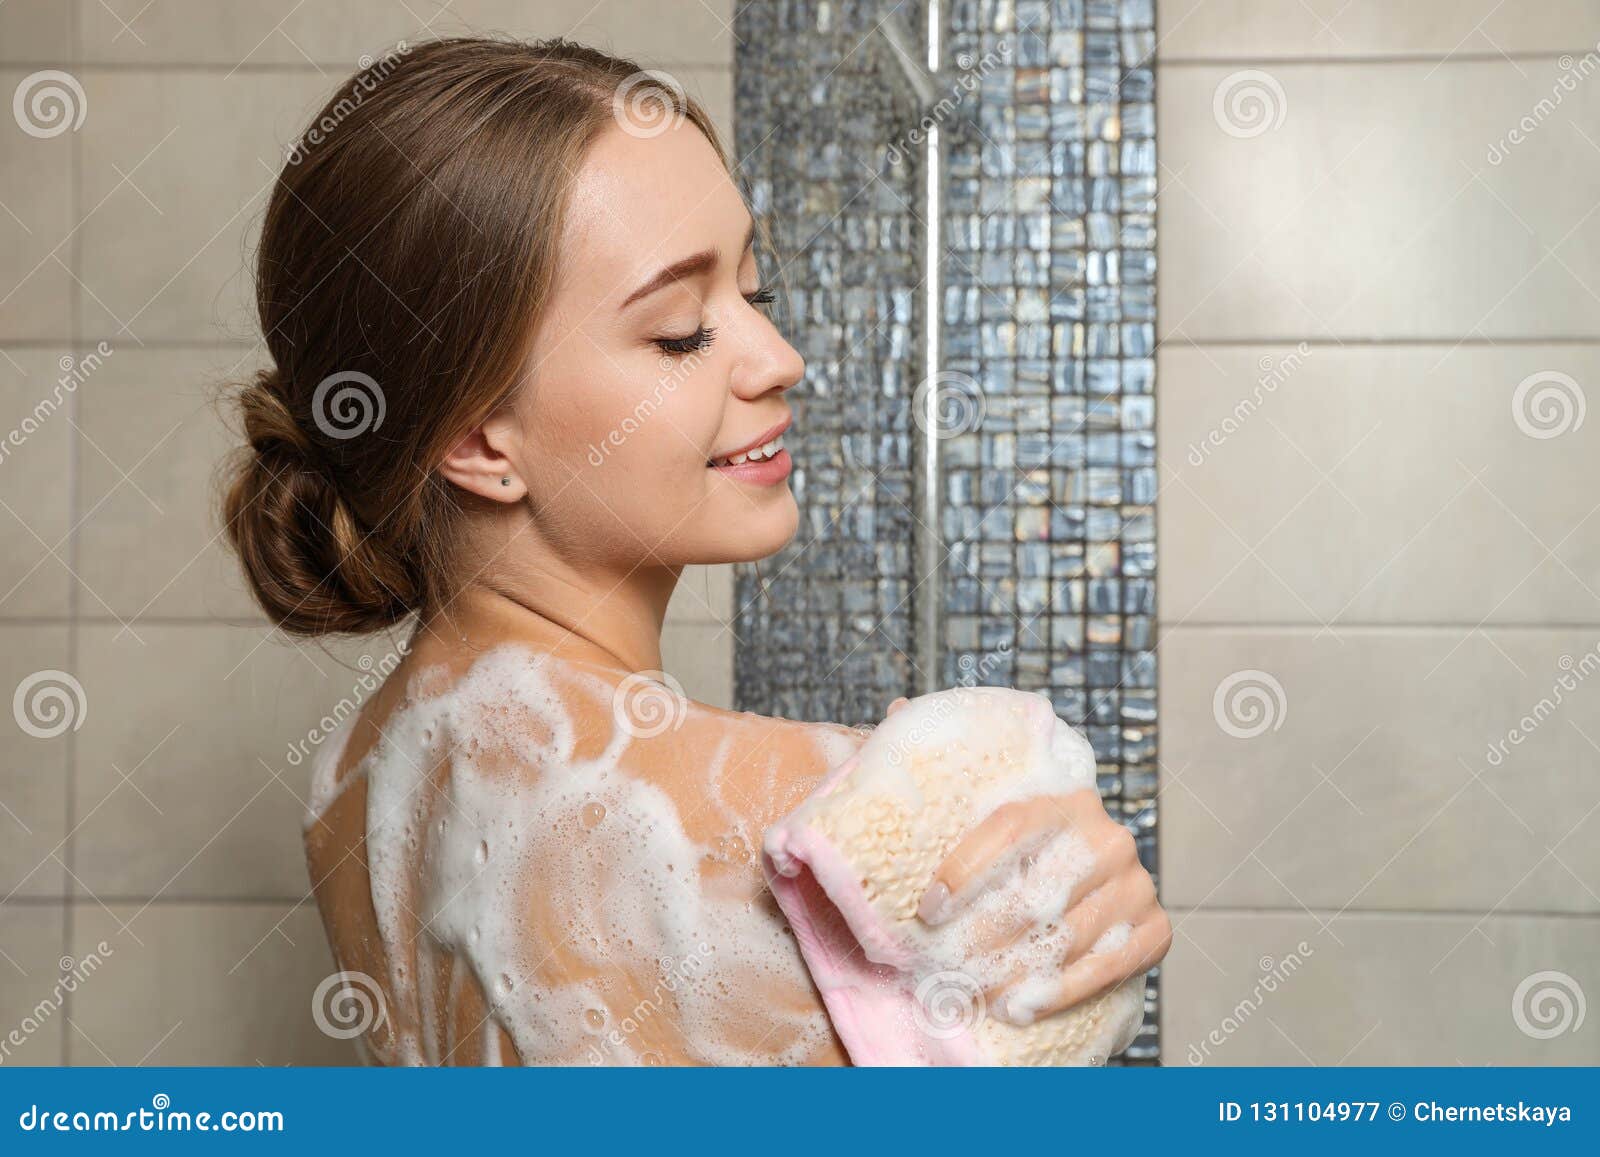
1378, 484
36, 32
264, 32
704, 594
713, 88
37, 391
1229, 29
177, 168
200, 720
34, 762
203, 984
153, 433
700, 656
1375, 990
33, 992
36, 212
1372, 210
1376, 769
176, 177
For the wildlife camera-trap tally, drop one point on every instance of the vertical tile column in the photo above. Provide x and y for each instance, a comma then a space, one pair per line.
1044, 402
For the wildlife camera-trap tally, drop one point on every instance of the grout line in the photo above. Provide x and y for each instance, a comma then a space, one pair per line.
1188, 625
1435, 58
1182, 341
149, 343
75, 417
1385, 913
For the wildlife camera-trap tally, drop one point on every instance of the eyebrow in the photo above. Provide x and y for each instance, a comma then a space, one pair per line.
687, 267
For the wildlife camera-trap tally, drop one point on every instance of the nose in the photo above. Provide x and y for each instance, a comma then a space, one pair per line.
766, 362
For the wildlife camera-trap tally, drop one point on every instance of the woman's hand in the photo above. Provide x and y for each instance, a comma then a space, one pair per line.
1114, 889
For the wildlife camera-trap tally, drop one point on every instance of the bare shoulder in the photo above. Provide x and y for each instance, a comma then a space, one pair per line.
560, 830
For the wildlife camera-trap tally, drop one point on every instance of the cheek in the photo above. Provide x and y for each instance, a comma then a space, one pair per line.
645, 449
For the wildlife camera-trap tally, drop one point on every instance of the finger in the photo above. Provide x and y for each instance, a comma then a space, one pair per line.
1011, 834
995, 846
1126, 898
1026, 1001
896, 705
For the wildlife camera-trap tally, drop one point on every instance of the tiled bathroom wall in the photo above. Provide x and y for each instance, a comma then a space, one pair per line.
1378, 623
1380, 598
166, 825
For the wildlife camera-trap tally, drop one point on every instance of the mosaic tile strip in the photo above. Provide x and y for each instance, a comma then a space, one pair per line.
1048, 461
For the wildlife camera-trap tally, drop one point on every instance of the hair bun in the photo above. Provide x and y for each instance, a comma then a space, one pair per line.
311, 565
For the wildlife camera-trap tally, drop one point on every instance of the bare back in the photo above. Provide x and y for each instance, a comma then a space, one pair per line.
543, 860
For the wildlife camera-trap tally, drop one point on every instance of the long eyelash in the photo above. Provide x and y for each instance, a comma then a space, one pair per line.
699, 340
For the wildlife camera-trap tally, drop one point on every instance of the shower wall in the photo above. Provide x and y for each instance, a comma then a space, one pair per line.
1041, 413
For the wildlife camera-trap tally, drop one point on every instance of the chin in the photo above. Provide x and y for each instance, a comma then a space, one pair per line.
759, 531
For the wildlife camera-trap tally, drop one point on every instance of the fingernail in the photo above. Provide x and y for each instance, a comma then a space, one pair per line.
935, 905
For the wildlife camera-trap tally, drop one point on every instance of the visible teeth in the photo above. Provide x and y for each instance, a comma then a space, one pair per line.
759, 454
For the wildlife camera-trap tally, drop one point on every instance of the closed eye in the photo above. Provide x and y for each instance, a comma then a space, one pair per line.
695, 342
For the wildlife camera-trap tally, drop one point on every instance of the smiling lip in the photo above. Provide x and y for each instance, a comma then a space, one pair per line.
767, 471
761, 441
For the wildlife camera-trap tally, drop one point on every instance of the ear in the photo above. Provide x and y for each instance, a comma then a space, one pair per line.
481, 463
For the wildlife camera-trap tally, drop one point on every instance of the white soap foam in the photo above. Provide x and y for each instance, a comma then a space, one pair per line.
557, 878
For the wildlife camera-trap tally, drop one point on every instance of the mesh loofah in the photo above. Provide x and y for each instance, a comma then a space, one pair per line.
850, 865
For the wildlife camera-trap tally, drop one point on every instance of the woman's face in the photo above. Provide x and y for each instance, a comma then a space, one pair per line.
655, 358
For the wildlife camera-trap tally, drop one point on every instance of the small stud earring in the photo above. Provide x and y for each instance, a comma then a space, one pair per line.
505, 480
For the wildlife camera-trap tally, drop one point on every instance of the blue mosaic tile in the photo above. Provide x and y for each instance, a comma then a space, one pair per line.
1048, 308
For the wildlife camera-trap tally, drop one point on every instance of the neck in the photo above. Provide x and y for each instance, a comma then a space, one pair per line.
612, 619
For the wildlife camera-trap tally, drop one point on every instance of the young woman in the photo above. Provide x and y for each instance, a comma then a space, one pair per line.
522, 376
